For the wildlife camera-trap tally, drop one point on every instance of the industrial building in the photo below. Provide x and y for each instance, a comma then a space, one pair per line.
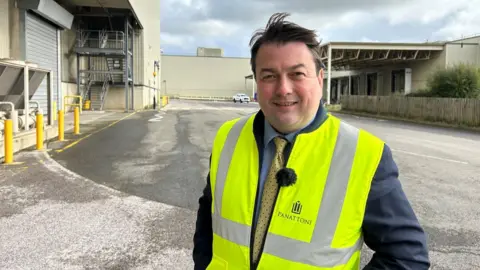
52, 52
382, 69
352, 68
104, 50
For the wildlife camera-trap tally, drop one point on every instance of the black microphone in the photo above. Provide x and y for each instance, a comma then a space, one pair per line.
286, 177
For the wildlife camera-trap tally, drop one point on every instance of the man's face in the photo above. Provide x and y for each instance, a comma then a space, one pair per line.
289, 88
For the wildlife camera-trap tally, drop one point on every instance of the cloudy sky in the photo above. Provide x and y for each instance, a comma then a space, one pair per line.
229, 24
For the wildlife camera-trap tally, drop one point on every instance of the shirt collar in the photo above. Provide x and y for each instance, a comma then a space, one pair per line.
271, 133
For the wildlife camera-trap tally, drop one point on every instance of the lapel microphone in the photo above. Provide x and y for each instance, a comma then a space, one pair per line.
286, 177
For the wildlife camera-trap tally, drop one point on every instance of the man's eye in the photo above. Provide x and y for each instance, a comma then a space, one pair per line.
298, 75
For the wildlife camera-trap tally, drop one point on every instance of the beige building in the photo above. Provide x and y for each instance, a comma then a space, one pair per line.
205, 76
354, 68
105, 51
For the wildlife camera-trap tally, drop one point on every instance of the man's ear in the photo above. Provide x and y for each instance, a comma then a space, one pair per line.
320, 77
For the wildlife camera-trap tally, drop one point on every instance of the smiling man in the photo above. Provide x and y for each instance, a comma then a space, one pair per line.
293, 187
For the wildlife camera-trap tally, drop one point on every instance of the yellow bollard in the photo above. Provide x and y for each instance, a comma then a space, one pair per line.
76, 121
39, 131
60, 125
8, 136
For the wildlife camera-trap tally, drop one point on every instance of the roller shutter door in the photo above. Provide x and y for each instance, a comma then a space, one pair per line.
42, 49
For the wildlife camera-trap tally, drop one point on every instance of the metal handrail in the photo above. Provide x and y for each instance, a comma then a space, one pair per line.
103, 94
65, 104
100, 39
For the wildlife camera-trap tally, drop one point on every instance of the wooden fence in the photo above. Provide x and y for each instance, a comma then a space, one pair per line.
458, 111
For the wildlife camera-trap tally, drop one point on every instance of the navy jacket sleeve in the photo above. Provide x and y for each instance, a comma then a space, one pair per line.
203, 237
390, 226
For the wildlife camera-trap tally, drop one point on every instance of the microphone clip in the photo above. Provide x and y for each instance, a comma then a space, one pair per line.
286, 177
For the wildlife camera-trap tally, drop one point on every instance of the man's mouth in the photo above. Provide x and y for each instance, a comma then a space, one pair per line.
285, 103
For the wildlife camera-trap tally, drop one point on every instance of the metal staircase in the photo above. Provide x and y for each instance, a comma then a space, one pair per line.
114, 65
104, 55
86, 81
98, 95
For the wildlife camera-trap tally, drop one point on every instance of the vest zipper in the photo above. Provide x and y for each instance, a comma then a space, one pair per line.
253, 266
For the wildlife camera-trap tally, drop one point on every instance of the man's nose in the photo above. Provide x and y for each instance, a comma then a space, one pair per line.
284, 86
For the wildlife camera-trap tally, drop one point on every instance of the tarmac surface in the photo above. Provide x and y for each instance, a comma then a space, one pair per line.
123, 194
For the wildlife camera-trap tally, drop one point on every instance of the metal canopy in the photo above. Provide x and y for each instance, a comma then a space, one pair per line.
104, 4
12, 82
100, 3
358, 55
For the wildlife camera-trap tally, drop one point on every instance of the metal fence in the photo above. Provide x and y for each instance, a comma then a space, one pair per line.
448, 110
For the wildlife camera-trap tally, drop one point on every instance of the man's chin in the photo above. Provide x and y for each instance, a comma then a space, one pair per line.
286, 124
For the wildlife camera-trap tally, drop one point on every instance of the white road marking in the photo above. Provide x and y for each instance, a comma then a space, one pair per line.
158, 117
432, 157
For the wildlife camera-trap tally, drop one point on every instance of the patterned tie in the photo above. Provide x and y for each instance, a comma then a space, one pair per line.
268, 197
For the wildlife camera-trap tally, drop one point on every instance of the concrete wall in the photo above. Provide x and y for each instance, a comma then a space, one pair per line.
16, 31
116, 98
149, 42
205, 76
68, 56
422, 70
5, 29
465, 51
12, 39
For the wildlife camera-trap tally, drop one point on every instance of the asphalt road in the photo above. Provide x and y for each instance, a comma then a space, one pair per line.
440, 172
134, 191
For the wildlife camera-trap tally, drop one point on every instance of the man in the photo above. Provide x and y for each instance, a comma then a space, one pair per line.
292, 187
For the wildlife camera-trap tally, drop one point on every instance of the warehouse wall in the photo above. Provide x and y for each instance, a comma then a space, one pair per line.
5, 29
465, 51
149, 43
205, 76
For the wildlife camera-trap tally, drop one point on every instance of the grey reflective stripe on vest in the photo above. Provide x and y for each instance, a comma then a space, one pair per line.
318, 252
224, 163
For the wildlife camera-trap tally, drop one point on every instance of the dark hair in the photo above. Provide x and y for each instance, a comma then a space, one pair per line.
280, 31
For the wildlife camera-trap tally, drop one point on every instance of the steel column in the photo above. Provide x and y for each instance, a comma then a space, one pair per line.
131, 66
329, 71
126, 64
78, 77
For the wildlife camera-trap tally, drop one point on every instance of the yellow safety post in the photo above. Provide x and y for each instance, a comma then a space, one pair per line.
76, 121
39, 131
8, 139
60, 125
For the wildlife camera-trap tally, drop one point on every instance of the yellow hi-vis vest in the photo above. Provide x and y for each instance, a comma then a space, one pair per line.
317, 222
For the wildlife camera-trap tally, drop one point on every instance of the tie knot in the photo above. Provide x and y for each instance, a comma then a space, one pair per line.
280, 143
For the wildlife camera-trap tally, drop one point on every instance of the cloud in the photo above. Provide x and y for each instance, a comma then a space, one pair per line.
465, 21
188, 24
